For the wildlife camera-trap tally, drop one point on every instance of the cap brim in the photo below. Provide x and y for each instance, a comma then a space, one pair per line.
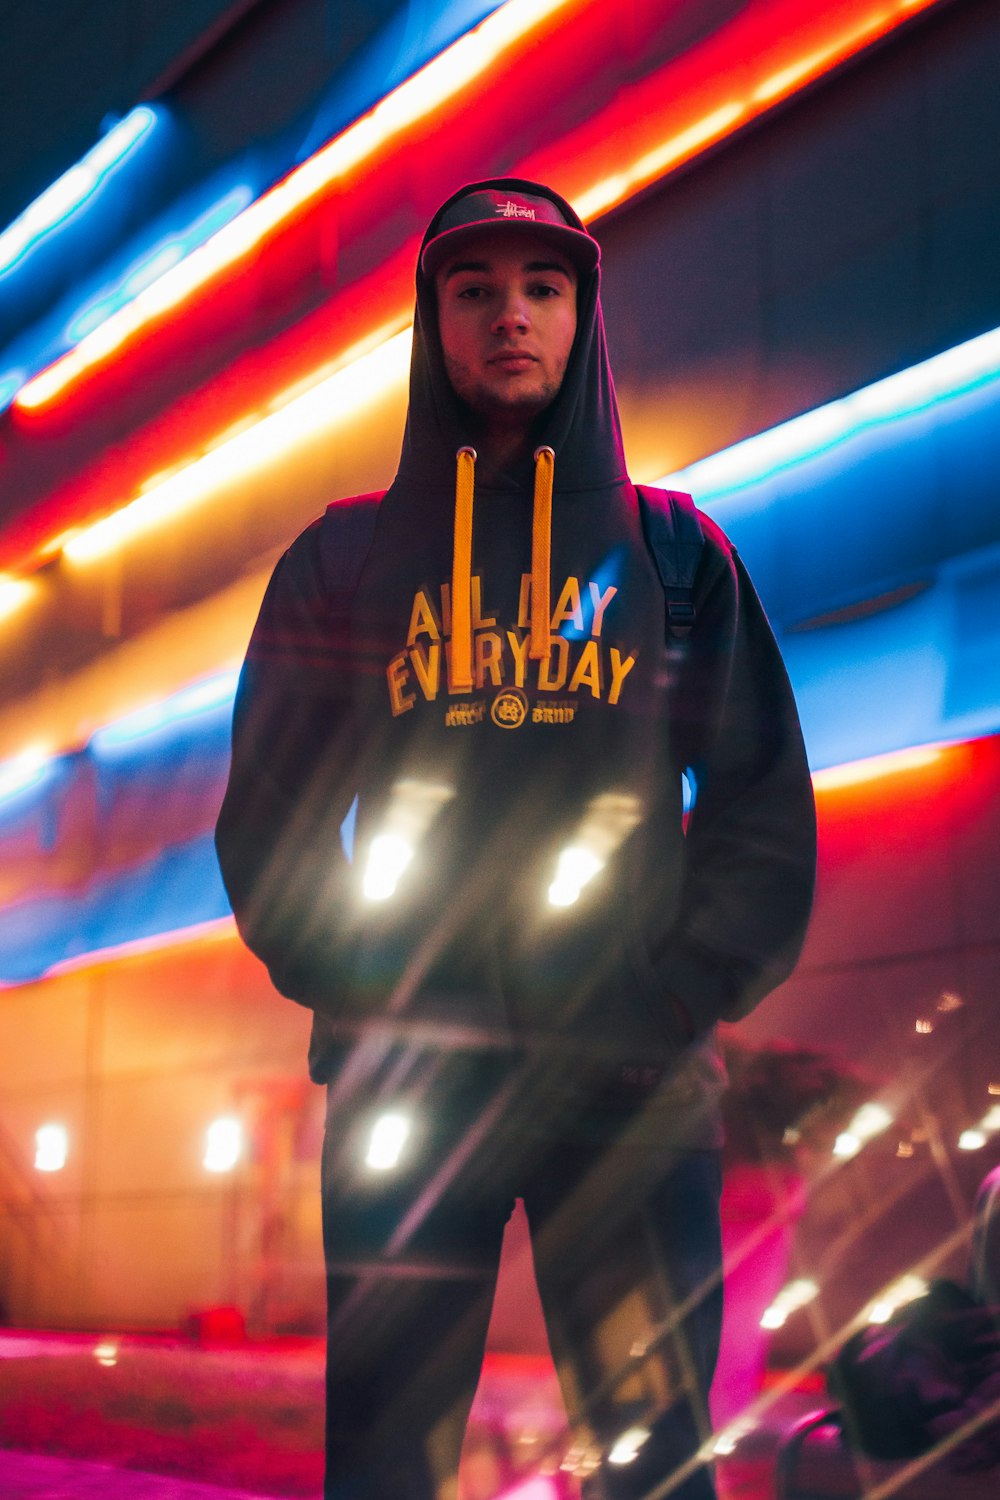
582, 251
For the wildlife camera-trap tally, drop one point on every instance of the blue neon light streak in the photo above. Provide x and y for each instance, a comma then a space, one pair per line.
405, 45
919, 672
752, 462
214, 695
10, 384
154, 262
73, 188
174, 889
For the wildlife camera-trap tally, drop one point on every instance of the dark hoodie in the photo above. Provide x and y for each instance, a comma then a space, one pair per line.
521, 875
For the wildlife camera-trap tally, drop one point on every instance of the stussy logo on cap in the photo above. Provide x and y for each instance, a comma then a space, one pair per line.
511, 210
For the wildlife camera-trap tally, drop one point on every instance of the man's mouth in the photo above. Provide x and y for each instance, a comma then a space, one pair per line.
513, 359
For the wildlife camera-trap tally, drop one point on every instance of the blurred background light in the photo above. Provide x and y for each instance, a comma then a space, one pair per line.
300, 417
155, 261
223, 1144
51, 1148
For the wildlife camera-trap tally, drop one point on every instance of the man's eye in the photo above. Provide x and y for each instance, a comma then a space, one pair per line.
472, 293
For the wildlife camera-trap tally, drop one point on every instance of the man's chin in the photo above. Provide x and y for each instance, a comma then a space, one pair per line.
516, 405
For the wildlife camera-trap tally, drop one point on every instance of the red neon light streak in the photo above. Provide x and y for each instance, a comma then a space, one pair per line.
856, 774
770, 51
647, 108
451, 73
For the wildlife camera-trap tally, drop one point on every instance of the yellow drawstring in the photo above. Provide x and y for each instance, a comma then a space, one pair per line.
461, 573
541, 554
461, 569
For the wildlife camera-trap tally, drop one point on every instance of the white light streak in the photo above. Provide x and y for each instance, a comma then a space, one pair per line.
907, 1289
389, 855
574, 869
797, 1294
730, 1437
626, 1447
870, 1120
385, 1146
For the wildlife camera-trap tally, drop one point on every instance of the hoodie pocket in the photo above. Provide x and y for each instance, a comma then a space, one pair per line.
654, 1001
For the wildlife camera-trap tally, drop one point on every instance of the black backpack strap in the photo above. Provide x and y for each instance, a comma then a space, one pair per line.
348, 530
674, 536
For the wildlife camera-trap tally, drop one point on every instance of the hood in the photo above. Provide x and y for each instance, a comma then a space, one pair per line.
581, 426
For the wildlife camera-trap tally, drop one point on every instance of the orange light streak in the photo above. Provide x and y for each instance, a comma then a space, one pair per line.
731, 114
399, 113
218, 929
253, 440
663, 158
296, 418
445, 76
874, 767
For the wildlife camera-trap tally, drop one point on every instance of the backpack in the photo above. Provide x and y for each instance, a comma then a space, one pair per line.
670, 524
905, 1385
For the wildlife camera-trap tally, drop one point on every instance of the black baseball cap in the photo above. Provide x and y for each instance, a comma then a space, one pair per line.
517, 207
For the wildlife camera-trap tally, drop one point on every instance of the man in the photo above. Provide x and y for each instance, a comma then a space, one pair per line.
516, 977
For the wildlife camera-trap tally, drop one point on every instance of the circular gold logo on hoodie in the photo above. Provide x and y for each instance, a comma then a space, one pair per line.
510, 709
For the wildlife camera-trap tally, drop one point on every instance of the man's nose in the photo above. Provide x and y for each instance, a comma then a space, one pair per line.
513, 312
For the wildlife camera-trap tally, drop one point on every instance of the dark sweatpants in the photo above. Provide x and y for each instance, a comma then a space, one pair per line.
412, 1257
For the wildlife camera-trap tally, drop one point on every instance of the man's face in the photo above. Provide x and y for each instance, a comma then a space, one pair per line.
507, 319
